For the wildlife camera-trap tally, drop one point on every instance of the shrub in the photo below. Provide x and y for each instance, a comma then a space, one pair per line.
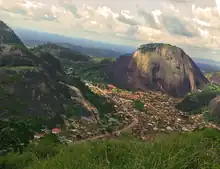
195, 102
47, 147
16, 161
138, 105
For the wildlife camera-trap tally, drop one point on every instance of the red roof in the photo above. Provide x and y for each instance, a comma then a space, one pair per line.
56, 130
111, 86
133, 96
39, 135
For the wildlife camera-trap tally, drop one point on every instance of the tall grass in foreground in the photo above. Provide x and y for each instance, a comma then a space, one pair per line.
197, 150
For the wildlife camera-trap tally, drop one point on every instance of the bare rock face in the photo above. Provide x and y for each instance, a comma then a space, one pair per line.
214, 107
157, 66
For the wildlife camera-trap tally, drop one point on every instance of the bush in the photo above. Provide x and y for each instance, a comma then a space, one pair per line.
16, 161
195, 102
47, 147
45, 151
138, 105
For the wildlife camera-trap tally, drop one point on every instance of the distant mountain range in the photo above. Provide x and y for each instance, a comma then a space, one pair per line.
94, 48
206, 61
100, 49
207, 65
98, 52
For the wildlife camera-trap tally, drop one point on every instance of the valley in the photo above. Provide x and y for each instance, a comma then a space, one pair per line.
153, 100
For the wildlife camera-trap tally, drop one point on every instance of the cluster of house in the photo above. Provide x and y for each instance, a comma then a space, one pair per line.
128, 95
46, 131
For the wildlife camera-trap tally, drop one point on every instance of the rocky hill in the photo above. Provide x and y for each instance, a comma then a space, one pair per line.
31, 80
157, 66
62, 53
27, 78
8, 36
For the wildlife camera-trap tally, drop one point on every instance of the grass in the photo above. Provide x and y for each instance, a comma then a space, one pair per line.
187, 151
21, 68
196, 150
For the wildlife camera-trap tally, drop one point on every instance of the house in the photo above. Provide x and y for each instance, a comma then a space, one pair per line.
56, 130
133, 97
85, 118
39, 135
110, 86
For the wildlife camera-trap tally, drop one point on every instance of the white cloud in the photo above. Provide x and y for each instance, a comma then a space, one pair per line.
201, 23
29, 4
173, 8
218, 5
198, 27
208, 15
156, 13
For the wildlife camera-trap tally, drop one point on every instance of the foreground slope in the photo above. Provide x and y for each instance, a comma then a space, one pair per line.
175, 151
157, 67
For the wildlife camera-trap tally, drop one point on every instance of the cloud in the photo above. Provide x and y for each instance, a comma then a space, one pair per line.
127, 18
206, 17
30, 10
150, 19
198, 27
173, 23
178, 26
16, 10
208, 22
69, 6
218, 6
181, 1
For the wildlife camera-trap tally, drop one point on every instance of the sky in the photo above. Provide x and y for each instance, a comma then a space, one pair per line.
193, 25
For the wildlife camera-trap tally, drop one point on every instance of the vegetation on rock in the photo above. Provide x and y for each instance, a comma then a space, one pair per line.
195, 102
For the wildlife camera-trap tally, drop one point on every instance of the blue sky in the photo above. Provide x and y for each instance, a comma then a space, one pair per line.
193, 25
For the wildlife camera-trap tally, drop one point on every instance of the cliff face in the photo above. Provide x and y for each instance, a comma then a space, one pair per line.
157, 67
